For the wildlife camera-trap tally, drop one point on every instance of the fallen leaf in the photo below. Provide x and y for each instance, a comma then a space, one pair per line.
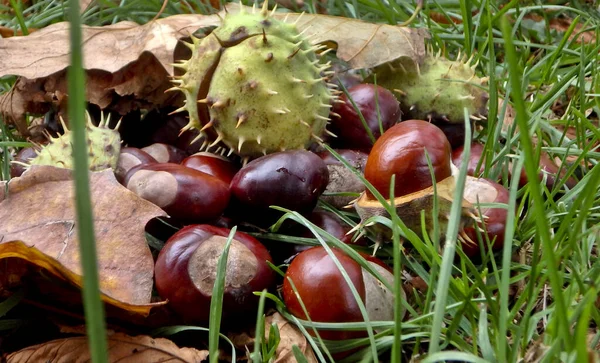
290, 336
362, 44
128, 65
121, 348
37, 223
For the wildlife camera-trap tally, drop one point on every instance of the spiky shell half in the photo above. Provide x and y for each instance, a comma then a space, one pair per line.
256, 85
438, 89
104, 146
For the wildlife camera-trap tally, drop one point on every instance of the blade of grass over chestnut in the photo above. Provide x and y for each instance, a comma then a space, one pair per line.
260, 328
450, 245
216, 301
543, 234
94, 309
5, 158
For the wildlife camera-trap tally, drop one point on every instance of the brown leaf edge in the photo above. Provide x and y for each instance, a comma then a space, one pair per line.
121, 348
20, 250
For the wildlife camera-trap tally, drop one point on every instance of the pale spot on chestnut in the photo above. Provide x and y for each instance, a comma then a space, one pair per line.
158, 187
242, 264
159, 152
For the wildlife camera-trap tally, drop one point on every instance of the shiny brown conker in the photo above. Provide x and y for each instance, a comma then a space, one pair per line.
213, 164
183, 193
482, 190
292, 179
348, 126
327, 296
186, 270
23, 156
476, 154
130, 157
401, 151
165, 153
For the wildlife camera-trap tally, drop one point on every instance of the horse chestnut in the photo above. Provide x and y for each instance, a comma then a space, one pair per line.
165, 153
327, 296
401, 151
348, 127
130, 157
485, 191
185, 194
23, 156
213, 164
186, 270
292, 179
475, 156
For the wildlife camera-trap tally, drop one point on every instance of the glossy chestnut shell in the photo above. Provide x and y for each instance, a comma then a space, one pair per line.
401, 151
130, 157
185, 194
476, 154
326, 294
186, 268
213, 164
292, 179
24, 156
349, 128
486, 191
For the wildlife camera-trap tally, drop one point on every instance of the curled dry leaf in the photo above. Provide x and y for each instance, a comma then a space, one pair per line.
121, 348
128, 64
37, 224
290, 336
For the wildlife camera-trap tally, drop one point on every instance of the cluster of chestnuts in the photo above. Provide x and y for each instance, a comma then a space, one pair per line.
206, 194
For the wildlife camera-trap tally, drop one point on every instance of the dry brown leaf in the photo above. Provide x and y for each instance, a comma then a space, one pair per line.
121, 348
39, 212
362, 44
290, 336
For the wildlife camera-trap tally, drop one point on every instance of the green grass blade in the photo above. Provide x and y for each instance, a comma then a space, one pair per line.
443, 283
543, 230
94, 309
216, 302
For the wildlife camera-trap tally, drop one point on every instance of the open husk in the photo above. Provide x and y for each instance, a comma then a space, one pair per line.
410, 206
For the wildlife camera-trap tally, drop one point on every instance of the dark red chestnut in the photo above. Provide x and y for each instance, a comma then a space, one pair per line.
341, 179
494, 219
130, 157
328, 297
348, 127
549, 169
164, 153
186, 270
183, 193
213, 164
400, 151
475, 156
23, 156
292, 179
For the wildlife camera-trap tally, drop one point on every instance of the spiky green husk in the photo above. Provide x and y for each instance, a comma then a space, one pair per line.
438, 89
104, 146
256, 85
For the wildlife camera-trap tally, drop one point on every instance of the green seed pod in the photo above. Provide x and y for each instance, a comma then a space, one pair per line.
104, 146
437, 90
256, 85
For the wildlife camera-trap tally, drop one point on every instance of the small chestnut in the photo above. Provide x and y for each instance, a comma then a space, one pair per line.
186, 270
183, 193
327, 296
480, 190
369, 98
130, 157
165, 153
401, 151
475, 156
213, 164
23, 156
549, 169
